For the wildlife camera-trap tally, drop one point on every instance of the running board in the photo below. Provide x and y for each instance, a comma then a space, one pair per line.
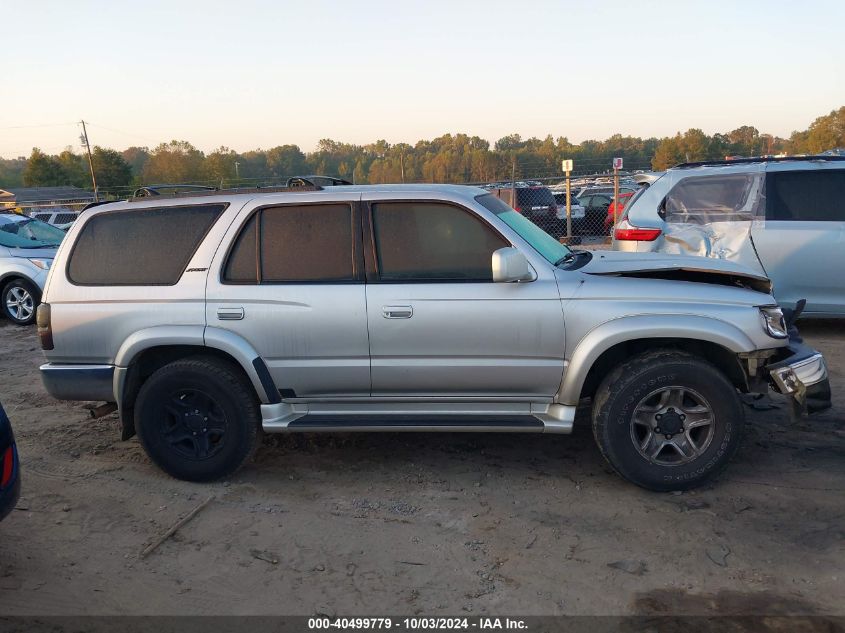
497, 417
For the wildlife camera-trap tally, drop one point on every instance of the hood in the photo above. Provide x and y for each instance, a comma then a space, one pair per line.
34, 253
677, 268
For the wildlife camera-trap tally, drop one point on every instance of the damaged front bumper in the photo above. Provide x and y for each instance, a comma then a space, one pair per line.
802, 373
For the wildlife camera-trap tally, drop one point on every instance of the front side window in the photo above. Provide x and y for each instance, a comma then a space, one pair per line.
815, 196
430, 241
301, 243
148, 246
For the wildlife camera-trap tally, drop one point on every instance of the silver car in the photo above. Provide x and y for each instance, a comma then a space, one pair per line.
209, 318
27, 249
784, 218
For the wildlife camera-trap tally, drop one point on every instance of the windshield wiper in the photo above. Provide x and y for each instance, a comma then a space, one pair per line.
569, 257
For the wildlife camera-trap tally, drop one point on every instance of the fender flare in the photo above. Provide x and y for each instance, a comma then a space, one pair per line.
632, 328
197, 336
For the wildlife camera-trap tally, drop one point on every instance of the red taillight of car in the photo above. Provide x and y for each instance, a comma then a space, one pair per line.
45, 329
635, 234
8, 464
518, 209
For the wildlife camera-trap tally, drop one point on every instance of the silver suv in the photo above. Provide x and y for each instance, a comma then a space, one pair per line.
784, 217
210, 318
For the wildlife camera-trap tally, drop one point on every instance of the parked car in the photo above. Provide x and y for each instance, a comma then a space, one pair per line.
576, 211
208, 319
10, 476
535, 203
27, 249
612, 214
60, 219
783, 217
595, 211
606, 189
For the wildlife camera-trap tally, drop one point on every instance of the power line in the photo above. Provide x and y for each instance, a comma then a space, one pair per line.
24, 127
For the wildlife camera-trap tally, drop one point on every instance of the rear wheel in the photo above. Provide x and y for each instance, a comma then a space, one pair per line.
198, 419
20, 299
667, 420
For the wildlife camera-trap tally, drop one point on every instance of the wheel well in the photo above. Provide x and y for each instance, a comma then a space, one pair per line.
150, 360
16, 276
723, 358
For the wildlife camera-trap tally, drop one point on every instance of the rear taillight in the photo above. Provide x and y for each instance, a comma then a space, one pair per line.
635, 234
8, 466
45, 329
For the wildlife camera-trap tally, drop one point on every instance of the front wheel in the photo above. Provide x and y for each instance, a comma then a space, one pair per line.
667, 420
20, 299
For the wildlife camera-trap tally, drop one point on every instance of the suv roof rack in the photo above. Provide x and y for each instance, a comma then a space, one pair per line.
759, 159
208, 191
316, 180
158, 190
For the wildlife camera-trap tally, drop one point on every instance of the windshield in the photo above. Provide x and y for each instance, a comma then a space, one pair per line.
17, 231
551, 250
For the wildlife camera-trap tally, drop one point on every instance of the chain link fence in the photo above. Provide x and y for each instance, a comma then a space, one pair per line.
542, 200
592, 210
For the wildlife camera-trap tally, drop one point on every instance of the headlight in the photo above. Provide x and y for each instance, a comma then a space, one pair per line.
43, 264
773, 322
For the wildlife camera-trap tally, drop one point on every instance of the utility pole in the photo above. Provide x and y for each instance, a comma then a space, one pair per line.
237, 171
90, 161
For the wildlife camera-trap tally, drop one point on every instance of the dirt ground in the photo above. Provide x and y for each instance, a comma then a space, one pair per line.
418, 524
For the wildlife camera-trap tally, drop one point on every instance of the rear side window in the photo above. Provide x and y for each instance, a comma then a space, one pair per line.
816, 196
705, 199
424, 241
139, 247
303, 243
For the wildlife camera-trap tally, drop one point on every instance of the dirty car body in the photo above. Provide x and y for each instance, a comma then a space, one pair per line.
402, 308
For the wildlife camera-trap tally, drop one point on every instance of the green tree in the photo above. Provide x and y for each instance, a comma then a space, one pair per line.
110, 168
220, 164
175, 162
11, 172
76, 170
285, 161
825, 133
137, 158
43, 171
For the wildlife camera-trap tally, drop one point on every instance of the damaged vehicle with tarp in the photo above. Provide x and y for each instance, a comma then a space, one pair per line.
784, 218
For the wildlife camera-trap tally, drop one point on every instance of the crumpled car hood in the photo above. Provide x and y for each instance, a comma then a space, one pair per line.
676, 267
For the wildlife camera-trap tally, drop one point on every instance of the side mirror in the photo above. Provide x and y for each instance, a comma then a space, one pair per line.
510, 265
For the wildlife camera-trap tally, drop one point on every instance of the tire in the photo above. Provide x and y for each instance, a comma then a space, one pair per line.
198, 419
19, 300
677, 390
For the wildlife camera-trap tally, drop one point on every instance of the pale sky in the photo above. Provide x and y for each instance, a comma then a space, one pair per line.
252, 74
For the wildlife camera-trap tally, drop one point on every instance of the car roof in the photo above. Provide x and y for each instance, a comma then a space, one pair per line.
760, 159
243, 196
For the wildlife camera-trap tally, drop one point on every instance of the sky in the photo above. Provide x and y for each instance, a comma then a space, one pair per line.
253, 74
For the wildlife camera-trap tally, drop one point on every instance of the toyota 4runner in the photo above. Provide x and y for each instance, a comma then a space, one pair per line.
208, 318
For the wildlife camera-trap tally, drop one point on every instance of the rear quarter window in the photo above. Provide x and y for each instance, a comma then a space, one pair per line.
706, 199
149, 246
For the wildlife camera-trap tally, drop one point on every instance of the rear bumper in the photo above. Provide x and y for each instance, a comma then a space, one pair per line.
802, 373
79, 382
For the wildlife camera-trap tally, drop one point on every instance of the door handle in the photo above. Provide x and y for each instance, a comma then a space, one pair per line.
397, 312
230, 314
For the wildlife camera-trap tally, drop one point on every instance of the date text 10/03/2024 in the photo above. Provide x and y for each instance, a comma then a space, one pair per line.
417, 623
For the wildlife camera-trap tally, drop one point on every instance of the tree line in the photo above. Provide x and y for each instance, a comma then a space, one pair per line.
449, 158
